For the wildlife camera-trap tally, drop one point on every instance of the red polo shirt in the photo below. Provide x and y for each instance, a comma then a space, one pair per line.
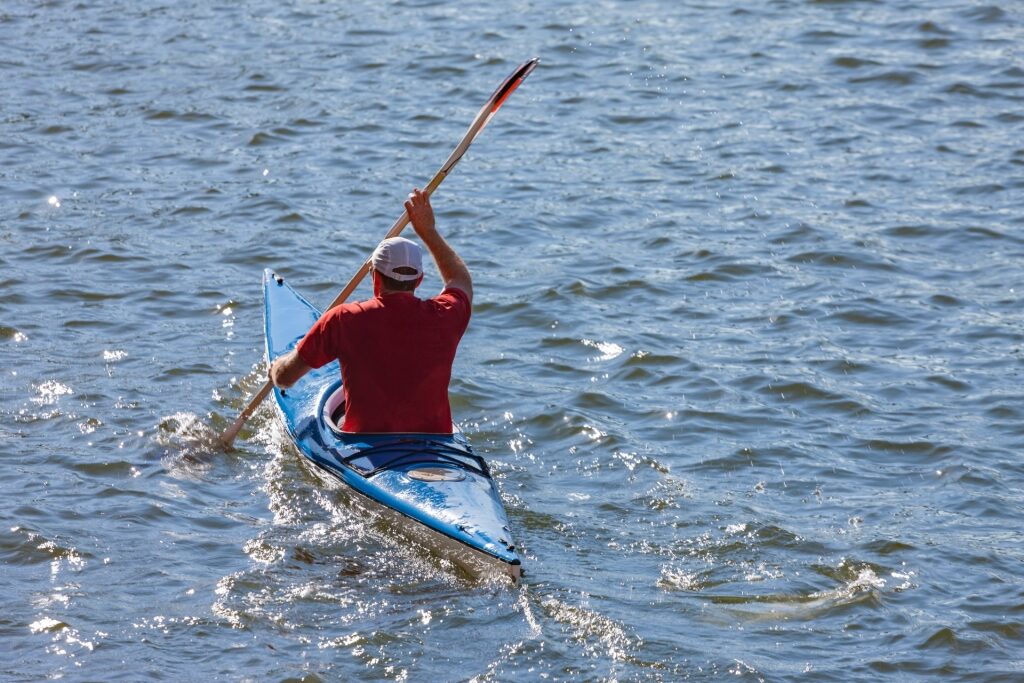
396, 354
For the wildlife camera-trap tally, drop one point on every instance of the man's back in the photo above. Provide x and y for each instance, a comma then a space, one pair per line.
396, 354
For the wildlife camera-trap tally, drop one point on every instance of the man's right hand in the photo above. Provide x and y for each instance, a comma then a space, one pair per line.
420, 212
288, 369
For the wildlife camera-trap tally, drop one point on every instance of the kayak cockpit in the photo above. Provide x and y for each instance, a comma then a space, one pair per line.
333, 410
420, 454
427, 457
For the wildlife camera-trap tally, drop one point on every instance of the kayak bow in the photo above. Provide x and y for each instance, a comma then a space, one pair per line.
432, 486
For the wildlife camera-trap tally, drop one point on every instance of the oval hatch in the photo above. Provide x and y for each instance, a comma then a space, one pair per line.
436, 474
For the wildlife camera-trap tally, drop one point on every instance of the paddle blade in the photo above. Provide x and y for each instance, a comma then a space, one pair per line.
508, 87
484, 117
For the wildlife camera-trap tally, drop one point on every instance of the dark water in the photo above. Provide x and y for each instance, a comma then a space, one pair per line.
746, 356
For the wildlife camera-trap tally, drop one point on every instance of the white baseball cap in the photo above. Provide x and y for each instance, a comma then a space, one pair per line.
398, 253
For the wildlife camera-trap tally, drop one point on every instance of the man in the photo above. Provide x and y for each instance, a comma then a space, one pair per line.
396, 350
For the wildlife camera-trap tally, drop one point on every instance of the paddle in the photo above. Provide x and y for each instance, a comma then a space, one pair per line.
483, 117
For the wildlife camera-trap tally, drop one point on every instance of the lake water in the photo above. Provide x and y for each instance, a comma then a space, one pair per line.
747, 353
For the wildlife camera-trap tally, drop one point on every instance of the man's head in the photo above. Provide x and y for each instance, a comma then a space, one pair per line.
398, 263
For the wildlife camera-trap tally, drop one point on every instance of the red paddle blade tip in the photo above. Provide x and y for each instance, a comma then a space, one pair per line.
509, 86
512, 82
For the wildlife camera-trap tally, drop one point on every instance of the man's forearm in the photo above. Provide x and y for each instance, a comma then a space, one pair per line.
454, 272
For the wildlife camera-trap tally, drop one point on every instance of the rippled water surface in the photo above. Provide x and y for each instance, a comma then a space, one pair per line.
746, 355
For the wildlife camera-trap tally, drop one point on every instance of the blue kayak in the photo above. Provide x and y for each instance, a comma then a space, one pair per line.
433, 487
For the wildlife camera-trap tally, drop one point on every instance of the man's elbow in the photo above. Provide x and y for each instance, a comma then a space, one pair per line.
465, 284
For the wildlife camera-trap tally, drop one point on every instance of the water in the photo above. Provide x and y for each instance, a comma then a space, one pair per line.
746, 354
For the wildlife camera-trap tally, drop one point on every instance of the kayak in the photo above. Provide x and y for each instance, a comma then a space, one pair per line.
433, 487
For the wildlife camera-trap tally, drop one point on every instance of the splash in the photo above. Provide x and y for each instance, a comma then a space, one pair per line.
50, 392
609, 350
114, 356
46, 624
677, 579
190, 445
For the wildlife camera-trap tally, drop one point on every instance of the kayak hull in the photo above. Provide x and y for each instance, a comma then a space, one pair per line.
431, 487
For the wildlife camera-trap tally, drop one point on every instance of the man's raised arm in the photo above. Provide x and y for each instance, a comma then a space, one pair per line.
454, 272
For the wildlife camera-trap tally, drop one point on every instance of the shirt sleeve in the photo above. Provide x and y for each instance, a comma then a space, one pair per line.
455, 302
315, 347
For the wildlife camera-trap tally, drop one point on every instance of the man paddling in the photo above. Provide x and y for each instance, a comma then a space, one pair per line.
396, 350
